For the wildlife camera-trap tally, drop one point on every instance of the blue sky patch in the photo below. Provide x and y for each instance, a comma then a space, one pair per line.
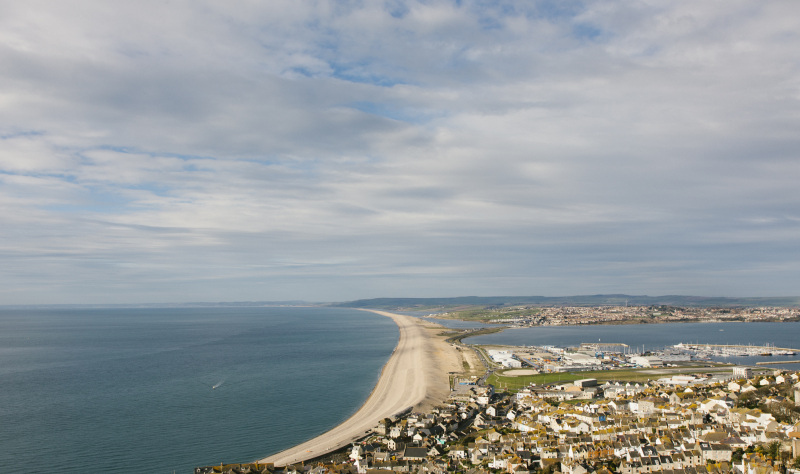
394, 113
585, 31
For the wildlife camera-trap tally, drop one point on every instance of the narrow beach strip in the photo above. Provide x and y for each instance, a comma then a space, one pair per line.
416, 374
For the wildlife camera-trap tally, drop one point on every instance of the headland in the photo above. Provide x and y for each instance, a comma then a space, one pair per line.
416, 376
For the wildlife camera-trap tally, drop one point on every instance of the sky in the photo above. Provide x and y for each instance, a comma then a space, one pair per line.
181, 151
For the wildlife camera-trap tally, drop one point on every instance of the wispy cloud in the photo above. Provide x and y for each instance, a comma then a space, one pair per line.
174, 151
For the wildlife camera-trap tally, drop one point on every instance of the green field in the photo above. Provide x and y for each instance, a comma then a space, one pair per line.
515, 383
479, 313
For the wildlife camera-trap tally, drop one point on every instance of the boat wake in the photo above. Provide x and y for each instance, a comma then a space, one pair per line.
218, 384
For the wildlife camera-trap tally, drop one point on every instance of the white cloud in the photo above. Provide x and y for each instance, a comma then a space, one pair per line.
173, 151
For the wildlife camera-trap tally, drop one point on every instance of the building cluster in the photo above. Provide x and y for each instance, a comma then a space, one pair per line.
505, 358
590, 356
612, 428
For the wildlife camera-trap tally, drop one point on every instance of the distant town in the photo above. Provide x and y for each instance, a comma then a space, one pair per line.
572, 315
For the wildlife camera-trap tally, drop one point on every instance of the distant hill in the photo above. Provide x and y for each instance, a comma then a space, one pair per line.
579, 300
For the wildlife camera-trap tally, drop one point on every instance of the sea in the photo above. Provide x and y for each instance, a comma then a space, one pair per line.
162, 390
150, 390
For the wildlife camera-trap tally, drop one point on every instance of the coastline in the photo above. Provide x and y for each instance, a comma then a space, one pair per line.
415, 376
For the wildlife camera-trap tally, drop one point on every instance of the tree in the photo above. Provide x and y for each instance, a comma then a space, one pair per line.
772, 450
549, 469
748, 400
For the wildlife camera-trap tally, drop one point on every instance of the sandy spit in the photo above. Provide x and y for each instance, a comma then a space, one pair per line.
416, 375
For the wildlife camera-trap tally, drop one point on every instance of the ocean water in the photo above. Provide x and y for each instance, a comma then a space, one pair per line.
166, 390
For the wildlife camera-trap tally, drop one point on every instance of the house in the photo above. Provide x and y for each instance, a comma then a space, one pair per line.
715, 452
356, 453
483, 394
396, 431
797, 394
648, 405
414, 454
748, 388
712, 405
458, 452
570, 467
395, 445
742, 372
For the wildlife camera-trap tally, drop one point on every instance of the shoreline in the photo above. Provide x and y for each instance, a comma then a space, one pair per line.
415, 376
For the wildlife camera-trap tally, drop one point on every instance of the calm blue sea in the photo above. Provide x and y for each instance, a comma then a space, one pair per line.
131, 390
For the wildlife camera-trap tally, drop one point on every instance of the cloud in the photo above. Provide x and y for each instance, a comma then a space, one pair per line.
175, 151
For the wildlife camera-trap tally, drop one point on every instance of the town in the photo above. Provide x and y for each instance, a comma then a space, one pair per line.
571, 315
729, 420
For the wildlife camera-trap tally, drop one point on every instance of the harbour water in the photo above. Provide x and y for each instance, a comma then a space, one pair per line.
163, 390
647, 337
